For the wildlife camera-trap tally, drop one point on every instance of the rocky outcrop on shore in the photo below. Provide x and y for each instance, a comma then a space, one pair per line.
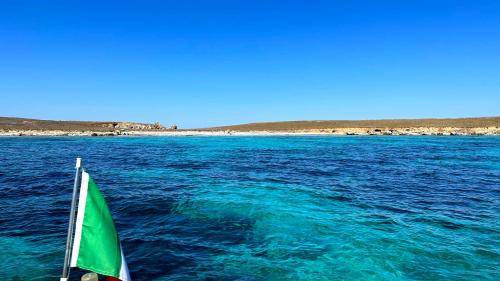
12, 124
134, 126
418, 131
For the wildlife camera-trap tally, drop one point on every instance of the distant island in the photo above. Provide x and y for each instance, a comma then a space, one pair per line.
11, 126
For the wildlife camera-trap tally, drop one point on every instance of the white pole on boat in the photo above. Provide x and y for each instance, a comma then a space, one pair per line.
71, 226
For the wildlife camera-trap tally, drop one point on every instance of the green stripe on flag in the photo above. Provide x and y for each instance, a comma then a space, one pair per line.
99, 247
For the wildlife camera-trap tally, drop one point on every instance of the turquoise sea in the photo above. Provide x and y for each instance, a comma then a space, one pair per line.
262, 208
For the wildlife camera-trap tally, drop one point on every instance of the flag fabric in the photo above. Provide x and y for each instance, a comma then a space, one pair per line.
96, 245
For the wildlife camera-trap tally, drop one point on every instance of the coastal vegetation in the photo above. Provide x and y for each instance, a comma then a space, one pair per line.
386, 123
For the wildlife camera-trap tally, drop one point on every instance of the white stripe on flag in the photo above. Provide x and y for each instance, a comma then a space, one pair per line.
124, 274
79, 218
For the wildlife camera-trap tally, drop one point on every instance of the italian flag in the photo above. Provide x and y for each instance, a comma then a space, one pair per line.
96, 245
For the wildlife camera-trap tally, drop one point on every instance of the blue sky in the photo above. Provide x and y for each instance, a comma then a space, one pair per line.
205, 63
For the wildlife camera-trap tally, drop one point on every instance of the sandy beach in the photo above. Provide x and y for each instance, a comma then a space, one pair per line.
486, 131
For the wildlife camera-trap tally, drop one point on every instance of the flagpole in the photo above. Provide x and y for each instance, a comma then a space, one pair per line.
71, 226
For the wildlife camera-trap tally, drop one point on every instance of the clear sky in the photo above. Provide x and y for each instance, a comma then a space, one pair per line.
204, 63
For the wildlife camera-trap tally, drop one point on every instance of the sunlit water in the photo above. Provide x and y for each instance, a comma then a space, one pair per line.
263, 208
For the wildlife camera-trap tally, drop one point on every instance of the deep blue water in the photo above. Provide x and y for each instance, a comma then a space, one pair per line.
263, 208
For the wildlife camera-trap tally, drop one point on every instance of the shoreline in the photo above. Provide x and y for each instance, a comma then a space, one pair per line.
414, 131
475, 126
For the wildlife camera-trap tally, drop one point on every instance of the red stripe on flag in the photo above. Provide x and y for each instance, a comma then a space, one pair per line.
111, 278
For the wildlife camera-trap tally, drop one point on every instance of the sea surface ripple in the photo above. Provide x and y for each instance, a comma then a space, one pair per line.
262, 208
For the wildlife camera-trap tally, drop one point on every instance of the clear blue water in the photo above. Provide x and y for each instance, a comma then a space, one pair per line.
263, 208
